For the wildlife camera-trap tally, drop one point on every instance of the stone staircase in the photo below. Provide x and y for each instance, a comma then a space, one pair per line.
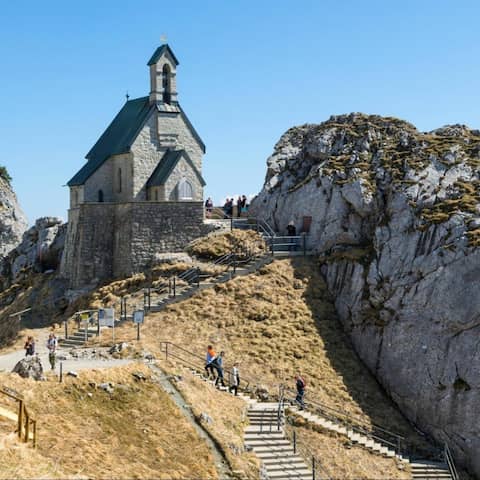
355, 437
77, 339
423, 470
269, 443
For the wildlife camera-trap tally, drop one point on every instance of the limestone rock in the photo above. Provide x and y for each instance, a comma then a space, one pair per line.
395, 219
29, 367
12, 219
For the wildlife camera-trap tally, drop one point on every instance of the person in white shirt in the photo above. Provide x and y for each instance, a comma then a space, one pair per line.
234, 379
52, 344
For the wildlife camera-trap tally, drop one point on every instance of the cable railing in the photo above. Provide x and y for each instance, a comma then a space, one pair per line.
375, 432
450, 462
197, 362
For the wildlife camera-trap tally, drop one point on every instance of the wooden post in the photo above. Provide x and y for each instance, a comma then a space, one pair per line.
174, 287
61, 372
27, 427
34, 422
294, 442
149, 295
166, 350
66, 329
138, 331
20, 418
313, 468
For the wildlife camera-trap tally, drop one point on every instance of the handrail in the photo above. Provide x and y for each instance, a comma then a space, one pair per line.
357, 424
24, 419
450, 462
198, 366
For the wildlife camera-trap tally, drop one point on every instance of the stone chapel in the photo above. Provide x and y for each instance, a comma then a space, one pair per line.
140, 193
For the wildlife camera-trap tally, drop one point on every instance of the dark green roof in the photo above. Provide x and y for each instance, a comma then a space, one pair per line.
167, 164
117, 138
159, 52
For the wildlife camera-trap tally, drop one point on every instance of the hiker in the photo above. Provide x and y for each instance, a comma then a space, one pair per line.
300, 384
209, 367
52, 349
209, 207
234, 379
239, 206
29, 347
218, 364
292, 232
244, 204
226, 208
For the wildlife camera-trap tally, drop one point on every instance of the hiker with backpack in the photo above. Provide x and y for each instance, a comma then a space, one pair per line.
209, 366
52, 344
218, 364
29, 347
234, 379
300, 384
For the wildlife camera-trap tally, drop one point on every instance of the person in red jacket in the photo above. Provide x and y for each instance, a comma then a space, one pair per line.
301, 385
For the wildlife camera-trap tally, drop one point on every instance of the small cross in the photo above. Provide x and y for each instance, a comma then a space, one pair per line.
163, 38
127, 96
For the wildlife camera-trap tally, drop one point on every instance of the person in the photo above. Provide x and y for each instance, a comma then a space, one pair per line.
300, 384
225, 208
244, 204
209, 207
52, 349
209, 367
234, 379
292, 232
239, 206
230, 208
218, 364
29, 346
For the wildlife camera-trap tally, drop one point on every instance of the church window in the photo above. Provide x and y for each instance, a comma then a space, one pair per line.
100, 196
185, 190
119, 180
166, 83
76, 198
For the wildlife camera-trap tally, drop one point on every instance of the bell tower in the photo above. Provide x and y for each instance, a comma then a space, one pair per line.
163, 70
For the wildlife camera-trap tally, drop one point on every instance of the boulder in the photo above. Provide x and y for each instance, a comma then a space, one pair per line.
29, 367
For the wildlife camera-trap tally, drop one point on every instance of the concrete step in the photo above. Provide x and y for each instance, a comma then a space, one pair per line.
263, 442
291, 474
273, 452
257, 435
287, 460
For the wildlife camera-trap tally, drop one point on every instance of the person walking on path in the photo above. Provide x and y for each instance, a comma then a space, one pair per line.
234, 379
239, 206
300, 384
209, 207
218, 364
52, 349
29, 347
209, 366
244, 204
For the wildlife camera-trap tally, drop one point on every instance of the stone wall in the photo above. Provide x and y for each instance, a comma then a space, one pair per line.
106, 240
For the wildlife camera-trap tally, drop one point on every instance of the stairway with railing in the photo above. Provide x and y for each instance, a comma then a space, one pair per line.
426, 462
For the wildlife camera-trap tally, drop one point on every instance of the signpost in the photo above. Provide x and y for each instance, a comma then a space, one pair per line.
138, 317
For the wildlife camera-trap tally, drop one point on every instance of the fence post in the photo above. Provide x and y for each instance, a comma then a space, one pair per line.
294, 442
149, 296
61, 372
231, 222
166, 350
198, 277
313, 468
174, 287
66, 329
20, 419
35, 434
27, 428
304, 245
121, 307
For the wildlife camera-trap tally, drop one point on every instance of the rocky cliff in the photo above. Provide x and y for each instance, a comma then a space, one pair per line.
395, 219
12, 220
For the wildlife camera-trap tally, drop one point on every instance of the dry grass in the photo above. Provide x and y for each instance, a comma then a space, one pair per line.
276, 323
216, 245
229, 419
136, 432
340, 459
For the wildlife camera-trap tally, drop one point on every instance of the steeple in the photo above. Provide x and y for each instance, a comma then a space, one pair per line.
163, 71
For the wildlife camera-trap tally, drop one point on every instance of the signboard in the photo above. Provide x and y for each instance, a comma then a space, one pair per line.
106, 317
85, 316
138, 316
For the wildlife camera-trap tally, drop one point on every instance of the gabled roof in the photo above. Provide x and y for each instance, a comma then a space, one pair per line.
159, 52
167, 164
117, 138
192, 129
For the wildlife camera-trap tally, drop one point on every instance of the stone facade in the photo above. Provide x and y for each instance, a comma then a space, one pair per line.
111, 240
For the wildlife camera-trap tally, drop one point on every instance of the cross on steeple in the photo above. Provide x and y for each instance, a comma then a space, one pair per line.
163, 38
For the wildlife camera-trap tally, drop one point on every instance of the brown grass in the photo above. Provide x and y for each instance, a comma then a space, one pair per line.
276, 323
136, 432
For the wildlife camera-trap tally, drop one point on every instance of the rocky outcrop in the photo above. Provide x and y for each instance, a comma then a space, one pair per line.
40, 250
29, 367
12, 220
395, 218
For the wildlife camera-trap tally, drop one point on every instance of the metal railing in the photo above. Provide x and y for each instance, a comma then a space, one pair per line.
450, 462
197, 362
375, 432
24, 418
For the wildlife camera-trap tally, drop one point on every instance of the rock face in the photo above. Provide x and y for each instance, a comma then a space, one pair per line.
29, 367
40, 250
12, 220
395, 218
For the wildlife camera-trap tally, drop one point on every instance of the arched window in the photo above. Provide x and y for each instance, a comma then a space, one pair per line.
119, 180
166, 83
100, 195
185, 190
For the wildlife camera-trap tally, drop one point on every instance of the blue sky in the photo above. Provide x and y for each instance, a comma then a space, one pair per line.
248, 71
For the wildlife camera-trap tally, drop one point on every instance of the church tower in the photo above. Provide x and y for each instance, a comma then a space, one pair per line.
163, 69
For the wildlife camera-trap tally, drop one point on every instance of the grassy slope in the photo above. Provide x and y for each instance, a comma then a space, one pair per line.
137, 432
276, 323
